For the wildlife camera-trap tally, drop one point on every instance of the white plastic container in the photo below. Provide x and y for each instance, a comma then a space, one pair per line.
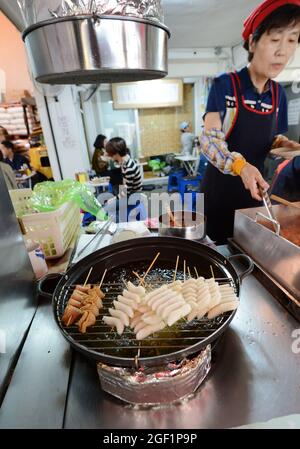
53, 231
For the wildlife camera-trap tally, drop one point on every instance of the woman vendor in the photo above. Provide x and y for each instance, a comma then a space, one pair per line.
246, 116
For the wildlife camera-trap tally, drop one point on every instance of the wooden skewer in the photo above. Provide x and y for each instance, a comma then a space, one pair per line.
212, 271
142, 281
139, 277
151, 265
196, 272
189, 271
69, 321
184, 268
171, 215
88, 276
104, 274
285, 202
176, 267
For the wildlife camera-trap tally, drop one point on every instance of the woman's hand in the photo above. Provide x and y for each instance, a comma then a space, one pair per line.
291, 144
252, 180
283, 142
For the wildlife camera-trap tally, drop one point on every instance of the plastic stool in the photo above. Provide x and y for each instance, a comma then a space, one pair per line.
188, 184
174, 180
190, 203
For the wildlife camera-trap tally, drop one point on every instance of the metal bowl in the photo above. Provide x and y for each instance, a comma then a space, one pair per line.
187, 225
93, 49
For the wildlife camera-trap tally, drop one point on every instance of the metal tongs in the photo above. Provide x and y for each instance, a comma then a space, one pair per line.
102, 231
269, 207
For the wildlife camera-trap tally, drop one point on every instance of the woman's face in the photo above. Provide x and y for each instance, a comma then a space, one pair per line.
274, 50
4, 150
117, 158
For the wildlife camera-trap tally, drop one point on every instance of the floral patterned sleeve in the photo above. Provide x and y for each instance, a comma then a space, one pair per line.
215, 149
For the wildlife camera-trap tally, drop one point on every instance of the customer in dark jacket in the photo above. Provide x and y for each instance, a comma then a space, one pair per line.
100, 160
287, 182
3, 134
8, 174
15, 160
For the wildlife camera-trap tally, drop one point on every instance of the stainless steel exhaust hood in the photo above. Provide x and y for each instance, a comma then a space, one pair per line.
90, 42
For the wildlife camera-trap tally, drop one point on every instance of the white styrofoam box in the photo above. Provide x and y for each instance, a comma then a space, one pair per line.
19, 132
19, 128
18, 122
19, 116
15, 109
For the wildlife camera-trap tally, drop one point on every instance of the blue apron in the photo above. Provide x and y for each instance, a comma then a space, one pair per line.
252, 134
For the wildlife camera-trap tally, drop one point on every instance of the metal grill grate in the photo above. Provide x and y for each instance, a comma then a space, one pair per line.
100, 340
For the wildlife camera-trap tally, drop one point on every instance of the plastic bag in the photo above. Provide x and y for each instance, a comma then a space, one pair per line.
156, 164
48, 196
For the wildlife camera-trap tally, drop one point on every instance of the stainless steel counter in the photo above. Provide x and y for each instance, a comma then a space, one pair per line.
18, 301
255, 377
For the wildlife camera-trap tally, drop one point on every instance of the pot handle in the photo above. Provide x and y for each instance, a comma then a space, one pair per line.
249, 262
45, 279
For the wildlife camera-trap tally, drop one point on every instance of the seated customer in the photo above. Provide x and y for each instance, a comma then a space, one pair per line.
15, 160
287, 181
100, 160
117, 149
105, 166
121, 208
3, 134
8, 174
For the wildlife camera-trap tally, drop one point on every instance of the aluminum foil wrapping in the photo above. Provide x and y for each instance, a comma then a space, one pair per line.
34, 11
156, 385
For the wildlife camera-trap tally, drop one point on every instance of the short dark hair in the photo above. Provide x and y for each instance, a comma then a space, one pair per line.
283, 17
99, 142
8, 144
117, 145
4, 132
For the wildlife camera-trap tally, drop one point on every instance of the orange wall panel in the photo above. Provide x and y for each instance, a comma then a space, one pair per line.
13, 61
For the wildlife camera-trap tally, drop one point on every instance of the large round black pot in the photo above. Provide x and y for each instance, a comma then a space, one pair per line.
120, 260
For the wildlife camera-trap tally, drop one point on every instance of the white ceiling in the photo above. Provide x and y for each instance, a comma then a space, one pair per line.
206, 23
